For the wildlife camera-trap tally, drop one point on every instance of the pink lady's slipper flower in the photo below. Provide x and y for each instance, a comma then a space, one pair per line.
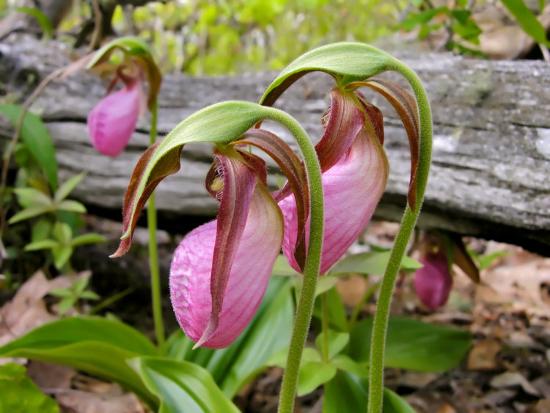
232, 257
355, 167
434, 281
220, 270
113, 120
355, 172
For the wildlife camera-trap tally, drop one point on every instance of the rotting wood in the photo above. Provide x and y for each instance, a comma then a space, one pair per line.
491, 161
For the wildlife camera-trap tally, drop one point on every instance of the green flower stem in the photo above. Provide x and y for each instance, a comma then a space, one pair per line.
304, 310
408, 222
153, 246
324, 327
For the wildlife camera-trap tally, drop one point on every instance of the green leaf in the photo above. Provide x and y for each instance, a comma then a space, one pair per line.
85, 239
393, 403
41, 230
413, 345
344, 393
62, 232
353, 61
309, 354
95, 345
66, 304
347, 393
527, 20
336, 342
31, 197
61, 255
268, 333
372, 263
44, 244
61, 292
182, 387
282, 268
336, 310
67, 187
29, 213
20, 394
89, 295
416, 19
71, 206
42, 20
313, 374
36, 138
345, 363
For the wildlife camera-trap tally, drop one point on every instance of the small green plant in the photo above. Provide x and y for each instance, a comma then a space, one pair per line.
70, 296
36, 202
62, 244
460, 30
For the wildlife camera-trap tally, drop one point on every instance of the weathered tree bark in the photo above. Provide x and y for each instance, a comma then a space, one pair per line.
491, 161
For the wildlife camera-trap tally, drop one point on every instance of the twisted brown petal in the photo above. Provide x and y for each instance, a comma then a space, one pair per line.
405, 106
294, 170
167, 165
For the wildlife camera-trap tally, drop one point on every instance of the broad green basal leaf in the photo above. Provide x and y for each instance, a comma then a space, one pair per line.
413, 345
95, 345
182, 387
372, 263
347, 393
36, 138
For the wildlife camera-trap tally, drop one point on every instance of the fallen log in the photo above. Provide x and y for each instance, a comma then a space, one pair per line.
491, 160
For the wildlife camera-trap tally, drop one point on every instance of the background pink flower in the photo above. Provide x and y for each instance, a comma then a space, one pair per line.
113, 120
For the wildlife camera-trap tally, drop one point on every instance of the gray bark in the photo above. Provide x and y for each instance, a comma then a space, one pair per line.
491, 160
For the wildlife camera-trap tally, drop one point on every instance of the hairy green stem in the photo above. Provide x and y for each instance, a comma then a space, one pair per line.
153, 246
408, 222
304, 310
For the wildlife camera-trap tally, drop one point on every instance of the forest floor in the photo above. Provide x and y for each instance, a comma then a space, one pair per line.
507, 369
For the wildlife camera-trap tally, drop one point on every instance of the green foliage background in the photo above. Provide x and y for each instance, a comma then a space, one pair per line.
242, 35
204, 37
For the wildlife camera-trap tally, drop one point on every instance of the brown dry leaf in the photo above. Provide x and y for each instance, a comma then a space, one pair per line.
502, 38
27, 309
542, 384
83, 402
416, 380
91, 395
446, 408
50, 377
513, 379
352, 289
483, 355
520, 285
542, 406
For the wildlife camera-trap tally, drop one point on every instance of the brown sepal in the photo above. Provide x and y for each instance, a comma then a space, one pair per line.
405, 106
294, 170
167, 165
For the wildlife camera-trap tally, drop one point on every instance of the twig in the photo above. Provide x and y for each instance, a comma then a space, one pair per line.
545, 53
98, 21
